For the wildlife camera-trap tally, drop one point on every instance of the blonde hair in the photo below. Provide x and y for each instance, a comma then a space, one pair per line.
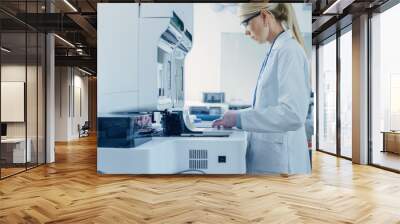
283, 13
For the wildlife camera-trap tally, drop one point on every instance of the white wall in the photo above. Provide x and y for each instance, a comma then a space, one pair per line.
239, 71
69, 82
202, 68
80, 83
61, 103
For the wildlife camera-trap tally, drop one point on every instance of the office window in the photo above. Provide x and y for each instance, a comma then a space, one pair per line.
327, 96
22, 88
13, 87
41, 87
314, 90
385, 89
346, 93
31, 100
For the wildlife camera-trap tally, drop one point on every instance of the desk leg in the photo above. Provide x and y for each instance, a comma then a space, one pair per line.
384, 143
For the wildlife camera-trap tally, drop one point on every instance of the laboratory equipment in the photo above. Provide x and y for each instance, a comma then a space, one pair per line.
141, 59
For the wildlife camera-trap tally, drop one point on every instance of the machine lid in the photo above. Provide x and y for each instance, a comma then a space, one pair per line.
177, 22
169, 37
188, 35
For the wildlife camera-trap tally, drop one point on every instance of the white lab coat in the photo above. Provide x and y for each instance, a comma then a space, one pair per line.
277, 136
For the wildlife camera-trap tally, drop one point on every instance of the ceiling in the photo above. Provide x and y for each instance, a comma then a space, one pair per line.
75, 22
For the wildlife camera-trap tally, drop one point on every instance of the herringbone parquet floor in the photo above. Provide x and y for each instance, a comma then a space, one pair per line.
70, 191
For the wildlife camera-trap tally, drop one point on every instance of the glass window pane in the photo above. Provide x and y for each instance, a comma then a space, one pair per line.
13, 87
22, 88
314, 87
385, 89
346, 94
327, 97
41, 98
32, 95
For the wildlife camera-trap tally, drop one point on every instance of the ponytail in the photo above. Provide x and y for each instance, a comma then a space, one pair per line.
284, 13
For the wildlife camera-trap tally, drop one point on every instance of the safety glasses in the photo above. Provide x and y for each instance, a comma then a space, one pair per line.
246, 22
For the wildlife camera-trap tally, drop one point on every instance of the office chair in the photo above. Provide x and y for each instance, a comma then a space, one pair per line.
84, 130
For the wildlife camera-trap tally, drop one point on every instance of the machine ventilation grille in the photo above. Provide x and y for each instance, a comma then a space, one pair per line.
198, 159
198, 154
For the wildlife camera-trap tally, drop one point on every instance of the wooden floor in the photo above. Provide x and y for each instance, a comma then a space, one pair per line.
386, 159
70, 191
5, 172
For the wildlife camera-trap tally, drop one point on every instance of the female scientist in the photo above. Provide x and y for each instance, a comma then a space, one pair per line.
275, 122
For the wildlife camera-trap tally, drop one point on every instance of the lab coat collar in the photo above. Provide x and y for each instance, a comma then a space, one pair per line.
281, 39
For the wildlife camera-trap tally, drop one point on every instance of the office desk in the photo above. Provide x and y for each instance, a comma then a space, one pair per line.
13, 150
391, 142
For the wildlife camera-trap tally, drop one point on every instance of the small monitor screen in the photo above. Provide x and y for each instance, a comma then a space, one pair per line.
3, 129
217, 97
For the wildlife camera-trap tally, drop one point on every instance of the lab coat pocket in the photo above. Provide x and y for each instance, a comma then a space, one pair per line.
267, 153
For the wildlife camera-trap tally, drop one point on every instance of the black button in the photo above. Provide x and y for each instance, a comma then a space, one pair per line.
221, 159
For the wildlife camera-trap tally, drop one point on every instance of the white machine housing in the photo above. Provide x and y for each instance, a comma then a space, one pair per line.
178, 155
128, 55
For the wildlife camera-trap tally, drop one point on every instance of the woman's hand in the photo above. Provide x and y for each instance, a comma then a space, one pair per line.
228, 121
